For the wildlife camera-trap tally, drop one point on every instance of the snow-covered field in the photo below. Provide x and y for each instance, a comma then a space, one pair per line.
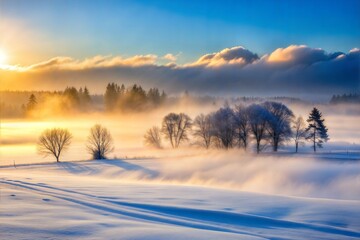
190, 197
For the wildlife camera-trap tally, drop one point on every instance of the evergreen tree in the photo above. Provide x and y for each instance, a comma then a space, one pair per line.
135, 98
317, 131
153, 96
31, 103
86, 96
111, 96
85, 99
163, 96
122, 89
71, 93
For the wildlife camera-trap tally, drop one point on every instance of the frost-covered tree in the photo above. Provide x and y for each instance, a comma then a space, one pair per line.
53, 142
279, 123
258, 120
223, 122
176, 127
203, 129
152, 137
242, 126
298, 132
316, 130
100, 142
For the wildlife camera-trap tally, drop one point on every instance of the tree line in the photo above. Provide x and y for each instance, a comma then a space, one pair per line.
268, 123
115, 98
345, 98
133, 98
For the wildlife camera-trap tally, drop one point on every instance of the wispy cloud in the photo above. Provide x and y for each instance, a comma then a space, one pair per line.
67, 63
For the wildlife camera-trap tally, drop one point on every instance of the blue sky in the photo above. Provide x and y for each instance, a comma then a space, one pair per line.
51, 44
86, 28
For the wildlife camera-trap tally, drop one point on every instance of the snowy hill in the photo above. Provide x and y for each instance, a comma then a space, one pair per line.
144, 199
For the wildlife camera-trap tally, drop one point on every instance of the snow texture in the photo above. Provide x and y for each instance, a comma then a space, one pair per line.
135, 199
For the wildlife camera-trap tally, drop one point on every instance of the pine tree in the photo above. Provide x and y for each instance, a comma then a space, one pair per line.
72, 95
86, 96
85, 99
163, 96
317, 131
111, 96
31, 103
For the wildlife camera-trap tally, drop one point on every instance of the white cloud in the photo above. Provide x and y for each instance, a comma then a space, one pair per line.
235, 55
170, 57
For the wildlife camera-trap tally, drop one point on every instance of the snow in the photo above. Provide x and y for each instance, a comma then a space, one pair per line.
163, 199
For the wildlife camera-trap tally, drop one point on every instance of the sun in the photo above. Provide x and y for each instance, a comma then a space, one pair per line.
3, 57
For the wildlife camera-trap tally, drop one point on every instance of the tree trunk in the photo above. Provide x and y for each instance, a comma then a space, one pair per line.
314, 140
258, 147
275, 147
276, 143
57, 158
296, 146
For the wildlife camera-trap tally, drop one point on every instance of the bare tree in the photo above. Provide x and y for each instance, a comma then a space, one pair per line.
100, 142
224, 127
152, 137
299, 132
279, 123
258, 119
175, 127
53, 142
203, 129
242, 126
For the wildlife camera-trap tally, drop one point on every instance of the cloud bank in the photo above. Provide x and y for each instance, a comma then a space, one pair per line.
294, 70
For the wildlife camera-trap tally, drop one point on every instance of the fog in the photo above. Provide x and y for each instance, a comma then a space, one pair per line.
295, 175
19, 136
333, 172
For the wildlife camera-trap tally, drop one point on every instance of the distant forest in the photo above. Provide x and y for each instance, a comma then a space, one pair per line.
345, 98
119, 98
115, 98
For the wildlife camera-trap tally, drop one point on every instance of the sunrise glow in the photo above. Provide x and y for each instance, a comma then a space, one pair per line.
158, 119
3, 57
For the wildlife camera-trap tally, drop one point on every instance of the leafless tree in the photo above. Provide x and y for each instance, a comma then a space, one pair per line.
259, 118
242, 125
175, 127
279, 123
224, 127
152, 137
299, 132
53, 142
203, 129
100, 142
